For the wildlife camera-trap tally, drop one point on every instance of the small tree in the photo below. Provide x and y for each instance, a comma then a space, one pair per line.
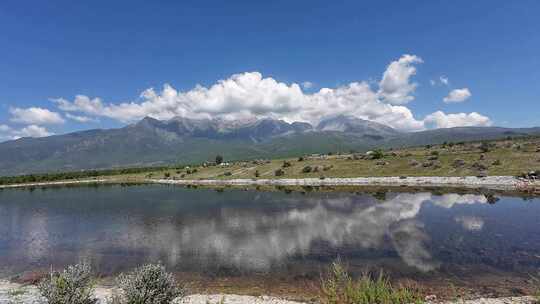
377, 154
73, 285
219, 159
279, 172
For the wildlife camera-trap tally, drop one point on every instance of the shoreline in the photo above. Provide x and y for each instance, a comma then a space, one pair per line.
28, 294
499, 183
57, 183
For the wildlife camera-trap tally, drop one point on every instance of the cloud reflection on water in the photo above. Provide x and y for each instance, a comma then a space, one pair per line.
257, 239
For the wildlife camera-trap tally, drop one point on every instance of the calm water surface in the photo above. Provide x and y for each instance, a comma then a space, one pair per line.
241, 233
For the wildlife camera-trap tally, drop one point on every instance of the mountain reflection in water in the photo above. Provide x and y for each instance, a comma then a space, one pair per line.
194, 230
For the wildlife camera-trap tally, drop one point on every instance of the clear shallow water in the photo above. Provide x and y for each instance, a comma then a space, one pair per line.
241, 233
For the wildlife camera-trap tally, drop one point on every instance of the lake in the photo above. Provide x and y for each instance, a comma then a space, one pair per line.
273, 241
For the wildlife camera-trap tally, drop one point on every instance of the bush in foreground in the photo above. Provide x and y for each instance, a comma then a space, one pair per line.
149, 284
339, 288
73, 285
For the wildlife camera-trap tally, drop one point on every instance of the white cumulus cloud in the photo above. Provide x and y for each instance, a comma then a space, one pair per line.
395, 86
32, 131
9, 133
79, 118
458, 95
250, 95
440, 119
35, 116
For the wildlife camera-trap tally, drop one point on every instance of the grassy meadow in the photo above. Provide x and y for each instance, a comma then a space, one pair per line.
511, 157
503, 157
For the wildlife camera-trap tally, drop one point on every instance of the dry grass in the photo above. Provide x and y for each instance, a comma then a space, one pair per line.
505, 157
339, 288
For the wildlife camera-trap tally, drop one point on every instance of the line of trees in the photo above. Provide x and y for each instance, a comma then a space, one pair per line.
49, 177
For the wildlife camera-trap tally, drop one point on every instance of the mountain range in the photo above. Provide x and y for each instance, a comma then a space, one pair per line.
183, 140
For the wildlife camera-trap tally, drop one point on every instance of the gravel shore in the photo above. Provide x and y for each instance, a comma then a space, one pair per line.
503, 183
58, 183
12, 293
508, 183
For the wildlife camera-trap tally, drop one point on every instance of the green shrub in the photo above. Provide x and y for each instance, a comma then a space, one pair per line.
73, 285
279, 172
286, 164
485, 147
377, 154
307, 169
48, 177
339, 288
149, 284
227, 173
219, 159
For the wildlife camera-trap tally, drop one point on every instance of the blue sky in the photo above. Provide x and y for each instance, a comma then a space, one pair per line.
114, 50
